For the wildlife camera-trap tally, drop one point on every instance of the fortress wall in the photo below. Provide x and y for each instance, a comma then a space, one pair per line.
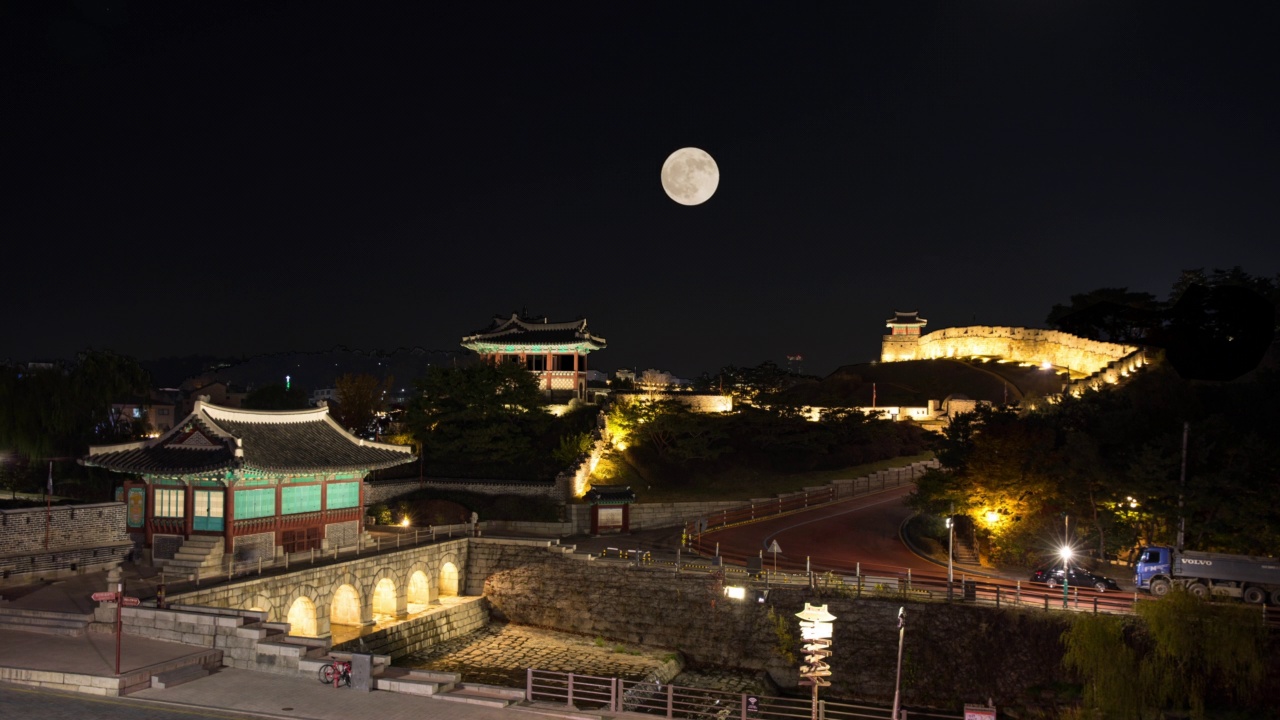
1018, 344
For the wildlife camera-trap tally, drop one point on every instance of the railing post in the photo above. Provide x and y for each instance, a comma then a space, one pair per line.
671, 700
1018, 596
615, 698
1095, 604
997, 597
569, 701
528, 685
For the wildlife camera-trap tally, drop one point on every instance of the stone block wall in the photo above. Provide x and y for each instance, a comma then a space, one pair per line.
419, 633
380, 491
1013, 343
22, 531
951, 650
81, 538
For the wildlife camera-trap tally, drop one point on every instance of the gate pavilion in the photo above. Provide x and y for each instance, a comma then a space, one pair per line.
264, 482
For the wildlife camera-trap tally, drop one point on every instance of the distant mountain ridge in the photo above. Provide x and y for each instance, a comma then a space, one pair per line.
307, 370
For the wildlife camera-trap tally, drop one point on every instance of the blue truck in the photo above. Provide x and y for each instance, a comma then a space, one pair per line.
1244, 577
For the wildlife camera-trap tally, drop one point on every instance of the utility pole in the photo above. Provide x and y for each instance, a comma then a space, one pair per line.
1182, 486
951, 540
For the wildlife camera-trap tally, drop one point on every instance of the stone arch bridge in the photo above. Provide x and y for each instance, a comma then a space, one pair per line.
356, 592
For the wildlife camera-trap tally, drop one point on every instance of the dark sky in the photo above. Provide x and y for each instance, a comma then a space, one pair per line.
244, 177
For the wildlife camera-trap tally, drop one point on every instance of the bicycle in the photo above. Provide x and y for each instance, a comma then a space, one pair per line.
336, 673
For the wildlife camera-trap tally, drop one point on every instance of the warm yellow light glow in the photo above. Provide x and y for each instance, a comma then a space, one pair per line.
735, 592
621, 445
405, 521
992, 517
1066, 554
1045, 364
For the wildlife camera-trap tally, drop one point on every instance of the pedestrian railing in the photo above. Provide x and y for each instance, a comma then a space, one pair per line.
650, 697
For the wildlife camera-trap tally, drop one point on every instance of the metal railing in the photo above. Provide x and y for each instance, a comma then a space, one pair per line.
650, 697
794, 502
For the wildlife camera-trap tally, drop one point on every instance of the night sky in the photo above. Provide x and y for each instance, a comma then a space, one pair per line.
238, 178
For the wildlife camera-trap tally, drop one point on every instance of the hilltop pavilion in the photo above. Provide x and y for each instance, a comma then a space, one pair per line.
555, 352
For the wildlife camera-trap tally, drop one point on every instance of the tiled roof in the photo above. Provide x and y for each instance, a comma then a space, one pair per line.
215, 438
517, 330
610, 495
906, 318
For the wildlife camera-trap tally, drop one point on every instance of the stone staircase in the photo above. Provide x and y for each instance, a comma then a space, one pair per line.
964, 553
44, 621
198, 554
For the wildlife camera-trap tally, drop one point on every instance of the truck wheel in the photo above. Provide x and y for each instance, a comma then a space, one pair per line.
1159, 588
1100, 586
1198, 590
1254, 595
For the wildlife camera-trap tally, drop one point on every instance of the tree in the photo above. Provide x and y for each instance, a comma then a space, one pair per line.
481, 419
60, 411
359, 398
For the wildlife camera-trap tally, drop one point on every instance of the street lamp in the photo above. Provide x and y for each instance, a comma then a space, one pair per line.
816, 628
1065, 552
897, 680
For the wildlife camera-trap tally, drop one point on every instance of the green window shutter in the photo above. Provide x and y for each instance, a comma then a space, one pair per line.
301, 499
344, 495
255, 503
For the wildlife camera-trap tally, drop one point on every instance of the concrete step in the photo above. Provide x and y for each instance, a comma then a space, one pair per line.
173, 678
45, 626
414, 682
202, 540
486, 695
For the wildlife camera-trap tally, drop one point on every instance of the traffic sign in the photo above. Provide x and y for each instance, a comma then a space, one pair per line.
129, 601
104, 597
773, 548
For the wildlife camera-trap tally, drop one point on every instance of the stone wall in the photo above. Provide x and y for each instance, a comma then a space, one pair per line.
70, 526
438, 625
1018, 344
81, 538
380, 491
952, 651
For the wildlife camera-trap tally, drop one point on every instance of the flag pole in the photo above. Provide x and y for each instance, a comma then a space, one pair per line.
48, 502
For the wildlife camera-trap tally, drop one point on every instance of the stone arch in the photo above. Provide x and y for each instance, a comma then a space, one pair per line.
449, 581
344, 608
302, 617
385, 599
262, 603
417, 592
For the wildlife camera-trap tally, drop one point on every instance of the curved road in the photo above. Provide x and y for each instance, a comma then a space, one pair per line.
863, 534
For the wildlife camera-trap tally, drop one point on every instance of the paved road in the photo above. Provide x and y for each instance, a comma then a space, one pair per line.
863, 533
18, 701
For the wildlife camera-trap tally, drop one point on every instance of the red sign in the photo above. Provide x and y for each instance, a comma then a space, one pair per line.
104, 596
129, 601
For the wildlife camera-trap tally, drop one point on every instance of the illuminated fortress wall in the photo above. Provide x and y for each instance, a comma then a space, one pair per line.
1016, 344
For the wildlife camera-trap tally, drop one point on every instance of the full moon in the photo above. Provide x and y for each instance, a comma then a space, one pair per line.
690, 176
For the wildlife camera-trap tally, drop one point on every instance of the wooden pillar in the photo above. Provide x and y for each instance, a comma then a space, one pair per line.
279, 507
189, 509
550, 363
578, 393
228, 518
595, 519
360, 523
150, 513
626, 518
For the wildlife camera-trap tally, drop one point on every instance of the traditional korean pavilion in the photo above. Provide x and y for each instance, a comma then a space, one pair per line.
260, 482
903, 340
555, 352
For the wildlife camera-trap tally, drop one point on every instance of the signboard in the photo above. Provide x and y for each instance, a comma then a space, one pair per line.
137, 506
133, 602
979, 712
753, 705
104, 597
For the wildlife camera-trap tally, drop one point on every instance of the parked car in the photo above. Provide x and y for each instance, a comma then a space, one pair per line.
1079, 577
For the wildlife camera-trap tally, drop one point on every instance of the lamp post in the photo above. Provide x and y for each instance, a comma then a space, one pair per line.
816, 629
897, 680
1066, 572
951, 541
